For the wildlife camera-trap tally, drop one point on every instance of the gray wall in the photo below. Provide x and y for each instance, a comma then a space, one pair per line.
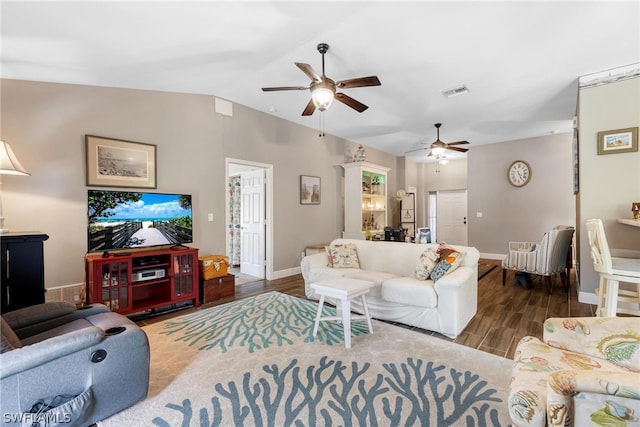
608, 183
46, 124
525, 213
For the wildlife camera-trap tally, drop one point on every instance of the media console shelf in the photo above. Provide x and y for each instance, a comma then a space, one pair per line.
143, 280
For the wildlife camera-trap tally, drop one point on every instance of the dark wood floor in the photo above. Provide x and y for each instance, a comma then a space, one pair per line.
505, 314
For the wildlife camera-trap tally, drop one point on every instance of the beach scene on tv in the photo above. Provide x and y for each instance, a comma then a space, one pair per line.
122, 220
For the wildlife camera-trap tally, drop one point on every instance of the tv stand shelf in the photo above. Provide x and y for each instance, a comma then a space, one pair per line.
143, 280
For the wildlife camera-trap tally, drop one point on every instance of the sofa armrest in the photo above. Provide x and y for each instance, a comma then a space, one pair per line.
30, 356
562, 387
457, 299
596, 337
310, 261
38, 313
456, 278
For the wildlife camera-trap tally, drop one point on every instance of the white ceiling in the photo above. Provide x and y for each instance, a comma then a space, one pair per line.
520, 60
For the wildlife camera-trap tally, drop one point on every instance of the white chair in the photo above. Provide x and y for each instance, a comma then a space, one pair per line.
545, 258
613, 270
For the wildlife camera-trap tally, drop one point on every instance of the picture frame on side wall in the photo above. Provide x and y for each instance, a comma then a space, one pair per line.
119, 163
310, 190
618, 141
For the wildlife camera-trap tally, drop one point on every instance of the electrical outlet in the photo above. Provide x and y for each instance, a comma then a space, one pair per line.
210, 217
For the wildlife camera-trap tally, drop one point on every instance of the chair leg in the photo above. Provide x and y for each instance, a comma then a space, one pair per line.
601, 295
547, 280
565, 281
504, 275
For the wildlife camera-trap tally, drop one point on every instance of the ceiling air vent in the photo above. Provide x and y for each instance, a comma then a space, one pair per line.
449, 93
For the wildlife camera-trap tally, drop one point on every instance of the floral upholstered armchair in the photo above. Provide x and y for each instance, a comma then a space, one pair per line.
585, 372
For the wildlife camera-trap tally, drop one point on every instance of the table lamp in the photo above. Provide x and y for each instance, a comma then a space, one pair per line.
9, 165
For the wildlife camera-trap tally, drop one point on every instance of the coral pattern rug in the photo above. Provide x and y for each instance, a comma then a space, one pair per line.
253, 362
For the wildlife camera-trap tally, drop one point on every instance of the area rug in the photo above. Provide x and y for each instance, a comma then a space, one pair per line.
254, 362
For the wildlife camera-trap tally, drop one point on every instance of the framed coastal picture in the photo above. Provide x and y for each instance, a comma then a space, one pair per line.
119, 163
309, 190
618, 141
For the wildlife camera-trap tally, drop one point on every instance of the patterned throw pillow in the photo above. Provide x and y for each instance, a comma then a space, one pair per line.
426, 263
448, 260
344, 256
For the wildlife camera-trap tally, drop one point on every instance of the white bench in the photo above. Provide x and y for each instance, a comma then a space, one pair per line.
343, 289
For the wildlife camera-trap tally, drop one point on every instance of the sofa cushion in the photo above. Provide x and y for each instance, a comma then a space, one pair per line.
344, 256
377, 277
410, 291
8, 340
448, 260
426, 263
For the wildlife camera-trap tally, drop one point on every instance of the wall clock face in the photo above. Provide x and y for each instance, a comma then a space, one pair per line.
519, 173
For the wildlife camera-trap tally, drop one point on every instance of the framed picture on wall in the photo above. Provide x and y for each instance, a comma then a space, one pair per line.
119, 163
618, 141
309, 190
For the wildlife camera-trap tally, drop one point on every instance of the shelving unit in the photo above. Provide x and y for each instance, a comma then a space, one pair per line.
143, 280
365, 199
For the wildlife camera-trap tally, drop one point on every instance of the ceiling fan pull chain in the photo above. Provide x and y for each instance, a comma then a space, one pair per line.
321, 125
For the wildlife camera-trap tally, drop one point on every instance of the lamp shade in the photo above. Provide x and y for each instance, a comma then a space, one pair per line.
9, 164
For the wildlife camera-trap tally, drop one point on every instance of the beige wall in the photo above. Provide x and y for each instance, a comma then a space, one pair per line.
519, 214
608, 183
46, 124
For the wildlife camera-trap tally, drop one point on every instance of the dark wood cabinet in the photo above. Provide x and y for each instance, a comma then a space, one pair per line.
22, 267
217, 288
143, 280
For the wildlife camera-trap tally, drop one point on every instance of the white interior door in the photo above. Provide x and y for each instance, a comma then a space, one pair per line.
252, 248
451, 207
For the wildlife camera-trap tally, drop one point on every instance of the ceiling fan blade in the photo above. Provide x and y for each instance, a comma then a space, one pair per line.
310, 72
462, 150
347, 100
458, 143
417, 149
359, 82
309, 109
272, 89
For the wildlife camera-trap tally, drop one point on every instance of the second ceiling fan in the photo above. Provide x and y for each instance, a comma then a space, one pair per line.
323, 89
437, 147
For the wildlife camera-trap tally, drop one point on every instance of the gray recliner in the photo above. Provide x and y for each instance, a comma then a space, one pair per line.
69, 367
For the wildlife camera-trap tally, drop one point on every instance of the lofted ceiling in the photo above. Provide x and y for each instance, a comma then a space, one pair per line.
519, 60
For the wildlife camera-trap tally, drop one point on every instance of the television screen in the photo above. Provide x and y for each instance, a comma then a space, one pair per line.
124, 220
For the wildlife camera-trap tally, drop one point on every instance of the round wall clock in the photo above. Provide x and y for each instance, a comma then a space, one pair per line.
519, 173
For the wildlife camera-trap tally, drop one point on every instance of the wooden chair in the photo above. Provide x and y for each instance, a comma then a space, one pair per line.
613, 270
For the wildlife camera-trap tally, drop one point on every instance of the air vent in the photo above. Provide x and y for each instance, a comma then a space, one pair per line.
460, 90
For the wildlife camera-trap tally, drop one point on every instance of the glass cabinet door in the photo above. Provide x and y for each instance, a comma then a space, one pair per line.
115, 285
183, 275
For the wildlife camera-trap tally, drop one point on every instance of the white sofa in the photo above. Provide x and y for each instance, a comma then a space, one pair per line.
445, 306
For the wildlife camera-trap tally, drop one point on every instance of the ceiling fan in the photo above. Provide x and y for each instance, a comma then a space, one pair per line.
323, 89
437, 147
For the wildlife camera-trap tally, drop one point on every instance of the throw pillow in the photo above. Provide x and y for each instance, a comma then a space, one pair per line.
327, 250
449, 259
344, 256
426, 263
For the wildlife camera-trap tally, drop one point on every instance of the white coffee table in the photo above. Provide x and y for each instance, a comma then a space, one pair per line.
344, 290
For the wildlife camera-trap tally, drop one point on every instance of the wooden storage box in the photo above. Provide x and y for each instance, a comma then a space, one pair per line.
217, 288
212, 266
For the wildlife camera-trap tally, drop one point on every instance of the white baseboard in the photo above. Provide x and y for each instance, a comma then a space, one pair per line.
587, 298
493, 256
286, 273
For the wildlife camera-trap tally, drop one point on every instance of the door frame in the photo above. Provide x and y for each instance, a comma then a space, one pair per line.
268, 210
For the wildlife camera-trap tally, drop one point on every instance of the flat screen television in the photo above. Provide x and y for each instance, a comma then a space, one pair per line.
126, 220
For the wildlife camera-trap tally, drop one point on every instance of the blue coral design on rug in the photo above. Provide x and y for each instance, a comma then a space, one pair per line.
257, 323
320, 390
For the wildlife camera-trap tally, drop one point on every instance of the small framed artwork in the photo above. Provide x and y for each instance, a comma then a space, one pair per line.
309, 190
618, 141
119, 163
424, 235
